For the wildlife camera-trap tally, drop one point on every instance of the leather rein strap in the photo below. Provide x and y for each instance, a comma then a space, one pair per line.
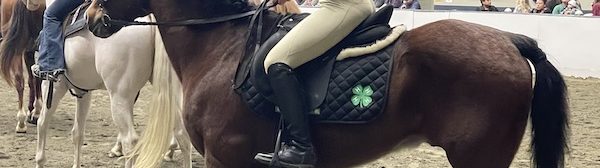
107, 19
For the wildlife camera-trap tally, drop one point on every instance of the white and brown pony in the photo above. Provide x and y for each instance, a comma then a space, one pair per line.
122, 65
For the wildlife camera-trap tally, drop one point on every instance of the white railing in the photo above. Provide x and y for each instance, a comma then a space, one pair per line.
571, 43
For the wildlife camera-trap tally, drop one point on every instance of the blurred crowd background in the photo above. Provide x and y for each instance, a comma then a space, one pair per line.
556, 7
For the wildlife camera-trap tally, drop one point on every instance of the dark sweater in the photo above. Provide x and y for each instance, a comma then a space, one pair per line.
545, 10
491, 8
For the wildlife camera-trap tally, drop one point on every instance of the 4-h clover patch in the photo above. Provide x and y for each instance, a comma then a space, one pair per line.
362, 96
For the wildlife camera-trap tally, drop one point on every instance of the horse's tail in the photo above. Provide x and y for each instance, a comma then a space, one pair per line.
14, 44
549, 111
163, 109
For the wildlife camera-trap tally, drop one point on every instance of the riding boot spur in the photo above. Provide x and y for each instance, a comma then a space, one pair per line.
299, 150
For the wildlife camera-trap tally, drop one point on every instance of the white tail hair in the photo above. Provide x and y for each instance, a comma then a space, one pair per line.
163, 110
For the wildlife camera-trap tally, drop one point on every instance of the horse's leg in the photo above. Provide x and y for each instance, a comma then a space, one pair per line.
180, 134
60, 89
185, 145
121, 103
493, 145
180, 137
28, 63
35, 104
21, 114
172, 147
117, 150
83, 106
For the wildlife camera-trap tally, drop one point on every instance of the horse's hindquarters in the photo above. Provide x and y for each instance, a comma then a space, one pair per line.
473, 95
93, 63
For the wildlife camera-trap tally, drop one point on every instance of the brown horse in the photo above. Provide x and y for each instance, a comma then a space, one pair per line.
450, 89
20, 29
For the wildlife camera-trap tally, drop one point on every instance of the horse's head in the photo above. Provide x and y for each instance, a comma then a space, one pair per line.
101, 11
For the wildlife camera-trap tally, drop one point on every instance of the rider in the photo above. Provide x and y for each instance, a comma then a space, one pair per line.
312, 37
51, 62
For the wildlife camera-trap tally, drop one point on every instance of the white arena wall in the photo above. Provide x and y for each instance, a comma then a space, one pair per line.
569, 42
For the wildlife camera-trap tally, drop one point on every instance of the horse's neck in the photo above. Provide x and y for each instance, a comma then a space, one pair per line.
199, 49
220, 44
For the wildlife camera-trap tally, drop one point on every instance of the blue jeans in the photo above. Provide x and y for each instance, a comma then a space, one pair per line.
52, 43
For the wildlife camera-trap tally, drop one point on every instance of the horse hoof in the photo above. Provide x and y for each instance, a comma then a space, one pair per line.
32, 120
168, 158
114, 154
21, 130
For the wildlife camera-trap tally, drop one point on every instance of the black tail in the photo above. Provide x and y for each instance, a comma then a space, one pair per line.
549, 111
22, 32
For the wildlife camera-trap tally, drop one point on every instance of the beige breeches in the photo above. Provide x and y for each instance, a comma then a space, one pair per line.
319, 32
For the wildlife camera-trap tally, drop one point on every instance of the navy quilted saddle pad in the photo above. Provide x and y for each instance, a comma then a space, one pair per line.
356, 92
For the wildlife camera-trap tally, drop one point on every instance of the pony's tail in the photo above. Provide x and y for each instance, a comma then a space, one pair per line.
14, 44
549, 111
163, 110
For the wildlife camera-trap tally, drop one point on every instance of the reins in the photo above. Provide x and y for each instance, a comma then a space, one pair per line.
107, 20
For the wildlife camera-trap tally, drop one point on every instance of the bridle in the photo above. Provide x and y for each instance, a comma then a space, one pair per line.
253, 38
107, 21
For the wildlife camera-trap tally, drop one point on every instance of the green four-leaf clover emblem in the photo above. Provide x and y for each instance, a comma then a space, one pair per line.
362, 96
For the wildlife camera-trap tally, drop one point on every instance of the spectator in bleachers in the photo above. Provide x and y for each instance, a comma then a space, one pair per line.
596, 8
410, 4
573, 8
550, 4
540, 7
522, 6
486, 5
310, 3
394, 3
558, 9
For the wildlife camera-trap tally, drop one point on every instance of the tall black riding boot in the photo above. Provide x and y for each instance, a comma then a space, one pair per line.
299, 151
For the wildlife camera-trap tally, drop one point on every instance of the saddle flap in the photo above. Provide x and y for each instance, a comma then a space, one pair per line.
315, 74
374, 27
76, 20
381, 17
368, 35
312, 74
